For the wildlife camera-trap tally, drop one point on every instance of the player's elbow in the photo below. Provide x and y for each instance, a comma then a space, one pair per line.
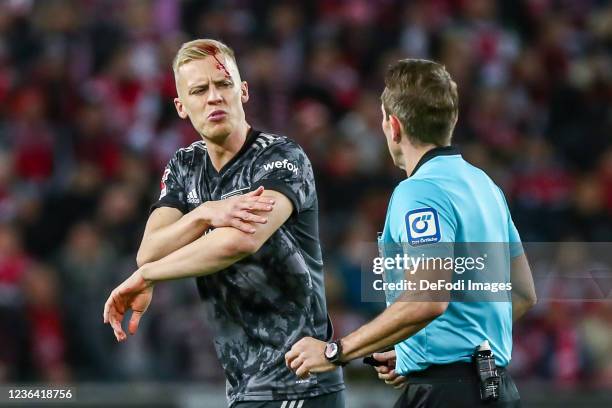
143, 257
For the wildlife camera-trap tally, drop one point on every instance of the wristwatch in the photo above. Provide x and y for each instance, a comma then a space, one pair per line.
333, 353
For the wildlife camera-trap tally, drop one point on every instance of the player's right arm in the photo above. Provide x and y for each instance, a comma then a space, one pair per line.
171, 226
168, 229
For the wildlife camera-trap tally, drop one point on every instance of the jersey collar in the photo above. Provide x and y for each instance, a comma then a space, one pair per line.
250, 138
435, 152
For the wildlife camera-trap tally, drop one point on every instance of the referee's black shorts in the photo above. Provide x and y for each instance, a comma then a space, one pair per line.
454, 386
333, 400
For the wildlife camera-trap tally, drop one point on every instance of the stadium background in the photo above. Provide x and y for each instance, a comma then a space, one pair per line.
87, 124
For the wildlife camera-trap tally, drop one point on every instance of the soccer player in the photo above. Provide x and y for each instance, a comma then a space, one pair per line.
447, 201
256, 257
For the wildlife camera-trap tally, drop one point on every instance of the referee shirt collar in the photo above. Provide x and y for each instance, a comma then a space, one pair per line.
435, 152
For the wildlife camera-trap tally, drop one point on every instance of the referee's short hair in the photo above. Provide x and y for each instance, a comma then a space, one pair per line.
424, 98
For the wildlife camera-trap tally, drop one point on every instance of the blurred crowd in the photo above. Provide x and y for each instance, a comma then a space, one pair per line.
87, 124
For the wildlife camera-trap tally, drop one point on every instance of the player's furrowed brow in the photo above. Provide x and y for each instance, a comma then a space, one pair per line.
225, 81
198, 88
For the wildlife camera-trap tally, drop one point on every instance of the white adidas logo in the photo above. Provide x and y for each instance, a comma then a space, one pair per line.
192, 197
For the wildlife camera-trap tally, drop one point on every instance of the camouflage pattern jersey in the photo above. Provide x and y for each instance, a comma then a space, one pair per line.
260, 306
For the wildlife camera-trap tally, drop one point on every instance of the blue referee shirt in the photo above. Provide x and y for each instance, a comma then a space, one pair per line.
458, 203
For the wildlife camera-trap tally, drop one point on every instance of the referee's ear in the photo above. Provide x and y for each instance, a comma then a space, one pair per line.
396, 128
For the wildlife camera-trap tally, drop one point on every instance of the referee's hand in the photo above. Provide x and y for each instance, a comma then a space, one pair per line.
387, 372
308, 356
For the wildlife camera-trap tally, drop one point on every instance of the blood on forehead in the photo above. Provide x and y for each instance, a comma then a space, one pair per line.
213, 51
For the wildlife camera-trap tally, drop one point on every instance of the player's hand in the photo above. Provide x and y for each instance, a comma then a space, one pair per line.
387, 372
307, 356
134, 294
237, 211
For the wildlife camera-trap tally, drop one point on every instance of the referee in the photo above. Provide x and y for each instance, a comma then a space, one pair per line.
444, 201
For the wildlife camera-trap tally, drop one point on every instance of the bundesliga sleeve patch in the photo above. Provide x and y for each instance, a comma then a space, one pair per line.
162, 184
422, 226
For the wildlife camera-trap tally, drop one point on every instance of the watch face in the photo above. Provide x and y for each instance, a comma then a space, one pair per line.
331, 350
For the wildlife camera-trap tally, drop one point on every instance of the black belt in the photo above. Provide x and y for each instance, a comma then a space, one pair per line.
463, 371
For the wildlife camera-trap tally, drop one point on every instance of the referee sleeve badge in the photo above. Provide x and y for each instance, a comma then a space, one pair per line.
422, 226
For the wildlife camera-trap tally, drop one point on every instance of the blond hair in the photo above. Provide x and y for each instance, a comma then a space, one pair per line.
199, 49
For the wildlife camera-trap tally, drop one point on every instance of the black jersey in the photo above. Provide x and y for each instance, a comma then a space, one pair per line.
260, 306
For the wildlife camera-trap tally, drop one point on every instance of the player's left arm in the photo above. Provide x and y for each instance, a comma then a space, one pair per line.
218, 249
211, 253
285, 172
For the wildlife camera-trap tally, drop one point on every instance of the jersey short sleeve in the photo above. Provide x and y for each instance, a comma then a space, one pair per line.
284, 167
421, 214
422, 226
172, 186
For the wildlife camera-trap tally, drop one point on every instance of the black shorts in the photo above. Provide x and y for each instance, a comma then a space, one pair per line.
333, 400
454, 386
